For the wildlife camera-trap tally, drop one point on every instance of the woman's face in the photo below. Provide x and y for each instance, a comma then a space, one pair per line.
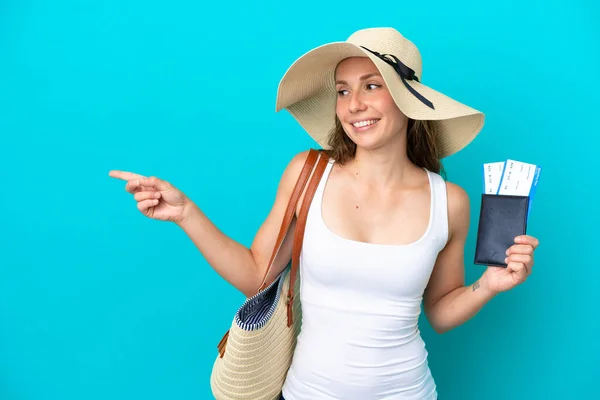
364, 105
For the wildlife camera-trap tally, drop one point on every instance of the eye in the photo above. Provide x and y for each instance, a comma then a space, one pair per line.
372, 86
341, 92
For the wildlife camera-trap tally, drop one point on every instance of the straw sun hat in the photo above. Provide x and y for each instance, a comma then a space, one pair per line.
307, 90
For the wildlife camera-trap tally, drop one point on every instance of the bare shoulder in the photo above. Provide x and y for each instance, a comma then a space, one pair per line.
458, 209
266, 237
292, 173
458, 198
293, 168
290, 176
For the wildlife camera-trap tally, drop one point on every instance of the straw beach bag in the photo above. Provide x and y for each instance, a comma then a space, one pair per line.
255, 354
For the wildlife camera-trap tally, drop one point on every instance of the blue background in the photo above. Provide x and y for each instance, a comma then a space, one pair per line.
99, 302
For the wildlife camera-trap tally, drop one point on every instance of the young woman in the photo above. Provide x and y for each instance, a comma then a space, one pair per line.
385, 232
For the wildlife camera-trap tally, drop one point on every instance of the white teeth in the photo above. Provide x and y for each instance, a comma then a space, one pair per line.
364, 123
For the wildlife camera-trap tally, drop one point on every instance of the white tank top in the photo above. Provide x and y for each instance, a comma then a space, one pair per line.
360, 308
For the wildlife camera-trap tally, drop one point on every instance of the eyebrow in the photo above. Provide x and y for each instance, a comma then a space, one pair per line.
362, 78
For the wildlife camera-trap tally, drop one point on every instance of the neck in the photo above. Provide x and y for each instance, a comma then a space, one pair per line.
384, 167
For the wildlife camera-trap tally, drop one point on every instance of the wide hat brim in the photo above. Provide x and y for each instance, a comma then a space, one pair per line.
307, 91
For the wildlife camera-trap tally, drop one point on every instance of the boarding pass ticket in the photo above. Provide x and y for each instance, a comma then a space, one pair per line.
511, 177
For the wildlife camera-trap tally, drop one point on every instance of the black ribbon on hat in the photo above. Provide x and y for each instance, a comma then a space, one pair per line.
405, 72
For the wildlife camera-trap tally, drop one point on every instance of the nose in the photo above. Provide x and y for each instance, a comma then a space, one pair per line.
356, 103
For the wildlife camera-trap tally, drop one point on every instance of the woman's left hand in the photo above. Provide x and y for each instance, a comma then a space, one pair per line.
519, 259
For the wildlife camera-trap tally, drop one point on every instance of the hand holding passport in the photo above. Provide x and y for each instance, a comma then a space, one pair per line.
508, 190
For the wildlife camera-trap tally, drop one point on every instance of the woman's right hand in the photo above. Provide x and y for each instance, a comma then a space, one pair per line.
156, 198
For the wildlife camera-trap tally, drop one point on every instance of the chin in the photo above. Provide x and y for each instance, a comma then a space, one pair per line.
368, 144
367, 140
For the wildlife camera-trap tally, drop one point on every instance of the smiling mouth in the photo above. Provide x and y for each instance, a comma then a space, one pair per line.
362, 124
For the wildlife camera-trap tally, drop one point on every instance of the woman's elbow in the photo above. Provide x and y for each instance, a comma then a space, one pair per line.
437, 322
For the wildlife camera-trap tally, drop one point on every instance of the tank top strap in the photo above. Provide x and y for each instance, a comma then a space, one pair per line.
317, 199
440, 206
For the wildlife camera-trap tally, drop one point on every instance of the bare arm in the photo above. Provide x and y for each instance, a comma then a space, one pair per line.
245, 267
448, 303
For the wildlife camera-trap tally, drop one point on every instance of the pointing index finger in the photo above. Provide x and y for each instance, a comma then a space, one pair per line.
124, 175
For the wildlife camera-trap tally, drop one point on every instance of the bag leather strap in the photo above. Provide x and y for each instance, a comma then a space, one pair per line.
305, 174
309, 165
299, 231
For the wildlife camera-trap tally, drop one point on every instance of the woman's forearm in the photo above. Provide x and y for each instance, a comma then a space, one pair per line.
230, 259
458, 306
